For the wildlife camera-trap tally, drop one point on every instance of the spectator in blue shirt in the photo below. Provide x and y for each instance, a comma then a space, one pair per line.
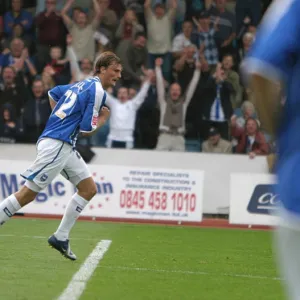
17, 16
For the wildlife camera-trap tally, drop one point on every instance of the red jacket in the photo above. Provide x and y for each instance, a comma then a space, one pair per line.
259, 146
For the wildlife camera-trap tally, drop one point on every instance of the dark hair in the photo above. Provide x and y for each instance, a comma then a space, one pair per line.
138, 34
105, 60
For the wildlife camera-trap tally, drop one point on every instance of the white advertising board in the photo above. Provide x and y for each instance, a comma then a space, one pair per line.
252, 199
123, 192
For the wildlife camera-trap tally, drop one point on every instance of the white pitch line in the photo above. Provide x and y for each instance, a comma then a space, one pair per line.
191, 272
78, 282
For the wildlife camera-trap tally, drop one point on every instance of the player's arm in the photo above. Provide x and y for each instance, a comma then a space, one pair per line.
271, 59
54, 95
94, 115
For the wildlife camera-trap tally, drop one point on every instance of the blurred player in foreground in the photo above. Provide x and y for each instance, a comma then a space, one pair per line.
275, 59
76, 108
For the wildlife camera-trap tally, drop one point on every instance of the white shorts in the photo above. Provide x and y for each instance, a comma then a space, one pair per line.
56, 157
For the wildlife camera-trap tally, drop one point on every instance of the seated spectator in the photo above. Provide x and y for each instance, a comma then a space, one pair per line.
251, 140
17, 16
36, 112
123, 115
13, 90
206, 36
9, 127
182, 39
234, 79
173, 107
134, 59
215, 144
248, 111
80, 71
159, 33
82, 31
248, 40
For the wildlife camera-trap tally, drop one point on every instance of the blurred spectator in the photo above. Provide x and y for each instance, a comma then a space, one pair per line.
173, 107
127, 30
159, 32
247, 8
1, 27
248, 111
131, 93
182, 39
108, 20
215, 144
251, 140
207, 45
58, 66
234, 79
82, 31
180, 12
42, 4
48, 80
18, 58
36, 112
80, 71
9, 127
123, 115
13, 90
216, 106
227, 27
185, 66
134, 59
17, 15
147, 120
18, 32
51, 31
248, 40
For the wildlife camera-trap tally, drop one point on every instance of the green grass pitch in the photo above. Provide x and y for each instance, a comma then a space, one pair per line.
143, 262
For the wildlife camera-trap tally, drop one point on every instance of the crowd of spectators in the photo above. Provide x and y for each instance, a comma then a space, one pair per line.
194, 100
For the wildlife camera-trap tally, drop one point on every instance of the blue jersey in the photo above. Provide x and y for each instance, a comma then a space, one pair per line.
77, 110
276, 55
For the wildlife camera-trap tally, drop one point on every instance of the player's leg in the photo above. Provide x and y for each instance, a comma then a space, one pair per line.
49, 163
76, 171
287, 242
86, 190
15, 202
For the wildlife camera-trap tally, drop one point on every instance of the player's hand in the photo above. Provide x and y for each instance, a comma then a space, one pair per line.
105, 112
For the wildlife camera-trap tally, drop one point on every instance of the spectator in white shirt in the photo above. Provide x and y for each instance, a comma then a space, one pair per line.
182, 39
123, 114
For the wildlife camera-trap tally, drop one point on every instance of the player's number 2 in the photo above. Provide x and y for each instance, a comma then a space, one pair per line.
68, 103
